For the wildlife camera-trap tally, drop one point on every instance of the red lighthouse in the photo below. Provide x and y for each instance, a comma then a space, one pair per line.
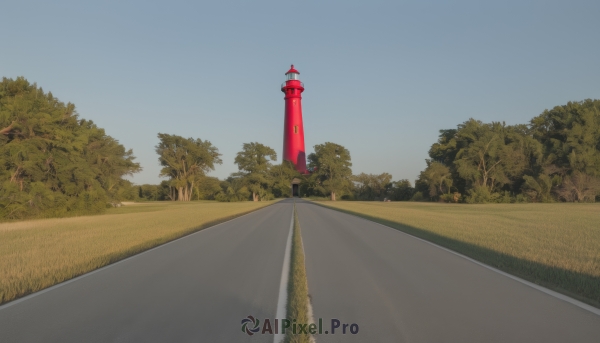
293, 130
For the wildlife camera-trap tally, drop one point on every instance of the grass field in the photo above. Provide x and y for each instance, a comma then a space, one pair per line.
37, 254
554, 245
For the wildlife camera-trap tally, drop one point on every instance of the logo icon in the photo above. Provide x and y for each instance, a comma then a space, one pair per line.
247, 322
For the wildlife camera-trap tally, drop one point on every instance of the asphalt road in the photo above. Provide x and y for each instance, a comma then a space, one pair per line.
394, 287
397, 288
195, 289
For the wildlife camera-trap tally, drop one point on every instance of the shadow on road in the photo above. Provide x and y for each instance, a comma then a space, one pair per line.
581, 286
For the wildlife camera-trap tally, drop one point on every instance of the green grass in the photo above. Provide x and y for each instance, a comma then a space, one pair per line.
36, 254
297, 304
554, 245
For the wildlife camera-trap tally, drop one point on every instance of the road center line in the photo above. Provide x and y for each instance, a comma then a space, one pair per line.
283, 284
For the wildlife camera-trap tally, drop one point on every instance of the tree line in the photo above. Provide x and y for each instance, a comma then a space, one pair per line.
54, 163
186, 162
555, 157
259, 178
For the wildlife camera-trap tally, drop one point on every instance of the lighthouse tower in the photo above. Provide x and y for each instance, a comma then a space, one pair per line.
293, 130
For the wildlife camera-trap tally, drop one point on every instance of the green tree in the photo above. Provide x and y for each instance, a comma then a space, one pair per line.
152, 192
570, 135
372, 186
207, 188
444, 151
52, 163
402, 190
540, 186
489, 159
254, 163
331, 168
233, 189
111, 162
579, 187
438, 179
310, 185
185, 162
446, 148
281, 176
555, 157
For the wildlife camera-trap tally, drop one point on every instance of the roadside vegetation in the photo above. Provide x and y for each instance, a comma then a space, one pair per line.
297, 302
555, 157
36, 254
53, 163
554, 245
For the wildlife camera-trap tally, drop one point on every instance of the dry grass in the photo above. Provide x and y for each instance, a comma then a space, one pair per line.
297, 304
555, 245
37, 254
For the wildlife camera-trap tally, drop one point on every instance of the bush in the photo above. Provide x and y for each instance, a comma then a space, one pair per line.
521, 198
505, 198
452, 197
482, 195
418, 197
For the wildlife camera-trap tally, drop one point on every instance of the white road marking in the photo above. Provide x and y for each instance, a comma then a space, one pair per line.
283, 284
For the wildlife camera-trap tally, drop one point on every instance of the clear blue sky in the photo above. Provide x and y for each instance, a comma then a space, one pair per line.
381, 77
